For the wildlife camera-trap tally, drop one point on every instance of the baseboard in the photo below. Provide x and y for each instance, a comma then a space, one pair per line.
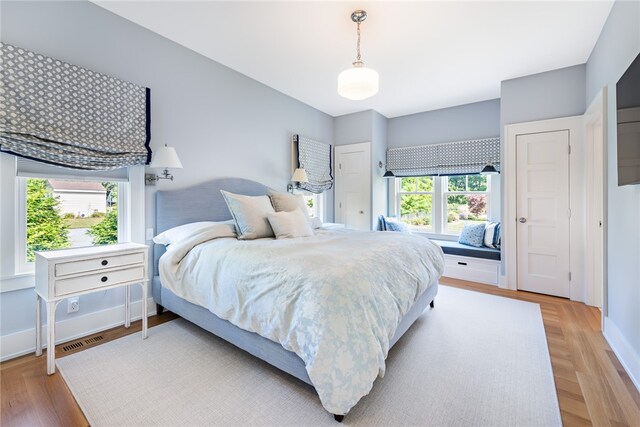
23, 342
627, 356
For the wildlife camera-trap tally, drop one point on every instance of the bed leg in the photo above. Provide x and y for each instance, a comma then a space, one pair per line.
159, 309
432, 303
338, 418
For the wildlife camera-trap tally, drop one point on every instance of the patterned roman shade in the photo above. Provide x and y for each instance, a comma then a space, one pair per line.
452, 158
65, 115
315, 158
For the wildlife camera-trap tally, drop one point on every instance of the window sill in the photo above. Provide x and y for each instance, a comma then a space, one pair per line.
17, 282
450, 237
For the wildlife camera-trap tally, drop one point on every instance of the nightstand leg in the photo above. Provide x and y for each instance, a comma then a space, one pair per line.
127, 306
51, 337
145, 285
38, 325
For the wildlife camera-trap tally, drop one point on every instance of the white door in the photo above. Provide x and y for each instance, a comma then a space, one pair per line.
543, 212
353, 185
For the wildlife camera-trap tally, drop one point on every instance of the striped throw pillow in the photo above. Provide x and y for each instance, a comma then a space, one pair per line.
492, 235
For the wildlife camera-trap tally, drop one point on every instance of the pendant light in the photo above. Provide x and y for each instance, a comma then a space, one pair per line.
358, 82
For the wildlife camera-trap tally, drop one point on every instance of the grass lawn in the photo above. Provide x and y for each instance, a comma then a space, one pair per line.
456, 227
81, 222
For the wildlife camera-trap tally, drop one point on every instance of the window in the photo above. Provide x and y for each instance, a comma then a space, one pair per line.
466, 199
415, 200
314, 204
65, 213
441, 205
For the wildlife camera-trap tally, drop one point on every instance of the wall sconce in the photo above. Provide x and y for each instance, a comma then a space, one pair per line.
489, 169
163, 158
387, 174
299, 175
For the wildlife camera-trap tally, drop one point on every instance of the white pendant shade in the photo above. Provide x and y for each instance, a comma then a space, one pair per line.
165, 158
300, 175
358, 83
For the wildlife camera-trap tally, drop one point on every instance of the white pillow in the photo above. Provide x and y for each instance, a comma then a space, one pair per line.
181, 232
288, 225
284, 202
250, 215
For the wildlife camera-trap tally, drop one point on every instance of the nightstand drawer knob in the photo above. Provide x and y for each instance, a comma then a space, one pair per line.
104, 279
105, 262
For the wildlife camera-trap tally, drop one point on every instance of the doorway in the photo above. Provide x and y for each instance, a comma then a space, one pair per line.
353, 185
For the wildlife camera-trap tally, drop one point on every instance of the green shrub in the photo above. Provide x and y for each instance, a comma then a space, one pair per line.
106, 231
45, 228
68, 215
98, 215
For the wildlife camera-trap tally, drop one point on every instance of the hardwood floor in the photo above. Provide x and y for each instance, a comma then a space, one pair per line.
592, 386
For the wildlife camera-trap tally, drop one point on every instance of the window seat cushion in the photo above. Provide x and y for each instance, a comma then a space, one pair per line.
455, 248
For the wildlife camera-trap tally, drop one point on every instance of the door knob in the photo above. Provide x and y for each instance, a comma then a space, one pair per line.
522, 220
361, 212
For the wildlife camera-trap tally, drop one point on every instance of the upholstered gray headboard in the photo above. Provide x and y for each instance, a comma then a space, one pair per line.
202, 202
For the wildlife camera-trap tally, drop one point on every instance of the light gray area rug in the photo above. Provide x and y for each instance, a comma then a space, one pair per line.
474, 360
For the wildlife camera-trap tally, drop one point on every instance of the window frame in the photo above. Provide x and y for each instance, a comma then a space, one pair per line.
439, 202
22, 266
400, 192
445, 199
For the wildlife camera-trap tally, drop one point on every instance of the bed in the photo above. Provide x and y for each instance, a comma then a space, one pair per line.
204, 202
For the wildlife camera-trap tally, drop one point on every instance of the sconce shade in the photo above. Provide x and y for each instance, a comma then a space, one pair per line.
488, 170
299, 175
165, 158
388, 174
358, 83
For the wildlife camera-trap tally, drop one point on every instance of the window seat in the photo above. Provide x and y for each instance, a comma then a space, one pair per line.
470, 263
455, 248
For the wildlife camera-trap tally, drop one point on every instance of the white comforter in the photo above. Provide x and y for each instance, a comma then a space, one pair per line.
335, 299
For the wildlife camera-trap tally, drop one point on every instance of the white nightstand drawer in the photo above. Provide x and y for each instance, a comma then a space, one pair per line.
97, 280
66, 268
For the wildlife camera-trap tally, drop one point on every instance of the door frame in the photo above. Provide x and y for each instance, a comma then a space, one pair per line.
596, 115
575, 126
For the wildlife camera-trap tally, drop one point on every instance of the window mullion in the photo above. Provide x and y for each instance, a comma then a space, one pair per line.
437, 205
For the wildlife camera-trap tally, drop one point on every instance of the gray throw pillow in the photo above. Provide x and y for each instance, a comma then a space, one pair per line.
250, 215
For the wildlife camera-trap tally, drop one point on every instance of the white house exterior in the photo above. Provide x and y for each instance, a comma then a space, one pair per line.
81, 198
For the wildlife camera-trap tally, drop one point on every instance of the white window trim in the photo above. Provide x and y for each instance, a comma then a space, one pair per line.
439, 201
16, 275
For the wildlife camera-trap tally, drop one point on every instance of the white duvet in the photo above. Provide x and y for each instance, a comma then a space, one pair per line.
334, 299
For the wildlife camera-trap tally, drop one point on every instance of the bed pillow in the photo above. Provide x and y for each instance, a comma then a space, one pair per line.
472, 234
284, 202
289, 225
181, 232
492, 235
250, 215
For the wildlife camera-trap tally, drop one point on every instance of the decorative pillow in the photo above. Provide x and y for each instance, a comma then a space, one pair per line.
288, 225
392, 224
492, 235
472, 234
315, 222
250, 215
181, 232
285, 202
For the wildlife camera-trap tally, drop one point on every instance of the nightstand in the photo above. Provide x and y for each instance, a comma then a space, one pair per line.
68, 273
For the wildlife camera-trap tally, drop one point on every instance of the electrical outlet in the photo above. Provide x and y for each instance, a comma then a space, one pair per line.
149, 234
73, 305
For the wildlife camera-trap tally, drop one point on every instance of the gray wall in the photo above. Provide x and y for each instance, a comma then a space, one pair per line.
464, 122
617, 47
557, 93
221, 122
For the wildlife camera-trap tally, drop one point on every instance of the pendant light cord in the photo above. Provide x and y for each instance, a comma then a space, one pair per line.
358, 44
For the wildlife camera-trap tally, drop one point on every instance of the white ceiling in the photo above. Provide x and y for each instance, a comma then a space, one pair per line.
430, 55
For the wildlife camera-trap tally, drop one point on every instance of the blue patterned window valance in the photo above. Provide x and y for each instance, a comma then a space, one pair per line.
452, 158
315, 158
65, 115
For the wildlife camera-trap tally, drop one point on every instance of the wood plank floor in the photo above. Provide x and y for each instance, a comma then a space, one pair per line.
592, 386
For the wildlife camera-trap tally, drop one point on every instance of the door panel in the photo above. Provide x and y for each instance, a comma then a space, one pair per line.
543, 212
353, 180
